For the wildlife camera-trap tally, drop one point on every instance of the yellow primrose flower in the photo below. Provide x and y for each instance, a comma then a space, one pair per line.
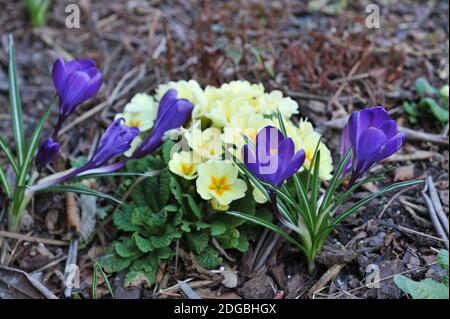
184, 164
270, 102
219, 181
246, 123
189, 90
134, 144
140, 112
207, 143
258, 196
231, 98
309, 144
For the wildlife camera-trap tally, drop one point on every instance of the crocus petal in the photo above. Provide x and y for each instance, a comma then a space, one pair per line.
391, 146
378, 116
389, 128
168, 98
370, 142
59, 75
293, 165
47, 151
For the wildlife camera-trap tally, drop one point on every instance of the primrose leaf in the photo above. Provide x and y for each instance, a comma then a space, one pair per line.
425, 289
166, 149
126, 248
122, 219
111, 262
209, 258
442, 259
164, 186
144, 245
198, 242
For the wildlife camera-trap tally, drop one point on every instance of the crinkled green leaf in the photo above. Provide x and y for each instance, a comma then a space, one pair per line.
209, 258
425, 289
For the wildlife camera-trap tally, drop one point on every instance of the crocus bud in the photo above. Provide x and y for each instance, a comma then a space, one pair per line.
172, 113
274, 159
373, 136
47, 151
75, 81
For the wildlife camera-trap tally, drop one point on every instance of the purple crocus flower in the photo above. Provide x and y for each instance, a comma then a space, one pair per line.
47, 151
373, 135
274, 159
75, 81
172, 113
114, 142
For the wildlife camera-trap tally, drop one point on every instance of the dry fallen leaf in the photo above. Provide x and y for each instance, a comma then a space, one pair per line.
404, 173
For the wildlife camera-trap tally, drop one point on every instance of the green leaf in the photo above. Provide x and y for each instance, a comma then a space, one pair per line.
424, 88
425, 289
37, 10
126, 248
166, 149
218, 227
28, 159
166, 239
442, 259
9, 155
123, 219
264, 223
367, 199
114, 263
15, 104
198, 242
138, 278
4, 183
144, 245
79, 190
194, 207
209, 258
440, 113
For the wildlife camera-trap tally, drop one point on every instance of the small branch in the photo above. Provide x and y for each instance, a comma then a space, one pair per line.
33, 239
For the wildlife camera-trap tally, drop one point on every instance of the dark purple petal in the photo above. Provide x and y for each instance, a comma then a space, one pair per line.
115, 141
373, 136
345, 146
391, 146
47, 151
75, 81
389, 128
274, 161
168, 98
293, 165
172, 113
369, 144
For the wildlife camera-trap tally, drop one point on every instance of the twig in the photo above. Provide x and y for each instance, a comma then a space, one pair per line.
329, 275
437, 204
394, 198
433, 214
33, 239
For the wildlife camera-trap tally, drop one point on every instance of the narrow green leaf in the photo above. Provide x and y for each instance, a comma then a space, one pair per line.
367, 199
335, 181
439, 112
265, 223
27, 161
4, 183
79, 190
15, 104
9, 155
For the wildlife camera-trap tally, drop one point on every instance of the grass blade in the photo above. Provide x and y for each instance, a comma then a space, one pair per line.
15, 104
9, 155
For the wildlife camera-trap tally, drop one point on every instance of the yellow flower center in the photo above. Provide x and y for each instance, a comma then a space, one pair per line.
219, 185
187, 169
135, 123
308, 156
273, 151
